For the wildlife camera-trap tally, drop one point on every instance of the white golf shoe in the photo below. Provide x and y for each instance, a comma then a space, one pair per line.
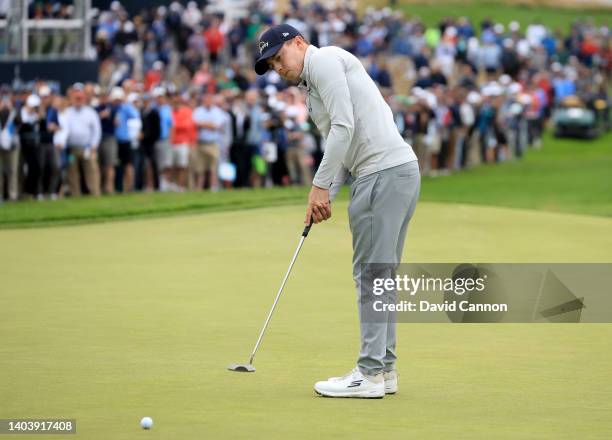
354, 384
390, 381
390, 378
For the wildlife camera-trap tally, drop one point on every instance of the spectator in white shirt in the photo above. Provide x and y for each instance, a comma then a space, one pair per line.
83, 134
209, 120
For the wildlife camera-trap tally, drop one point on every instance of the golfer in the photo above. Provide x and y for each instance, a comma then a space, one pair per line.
363, 140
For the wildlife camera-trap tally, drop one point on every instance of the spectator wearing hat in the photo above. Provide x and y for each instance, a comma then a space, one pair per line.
151, 128
83, 135
254, 138
154, 76
9, 150
163, 150
135, 132
563, 86
61, 103
467, 118
226, 138
422, 127
49, 160
489, 54
125, 117
107, 109
509, 59
29, 122
241, 152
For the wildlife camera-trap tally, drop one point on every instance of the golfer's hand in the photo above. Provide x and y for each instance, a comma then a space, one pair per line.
319, 206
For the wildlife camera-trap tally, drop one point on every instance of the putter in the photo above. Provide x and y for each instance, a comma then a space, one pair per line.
249, 368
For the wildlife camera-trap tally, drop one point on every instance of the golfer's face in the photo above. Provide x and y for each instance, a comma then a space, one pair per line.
286, 62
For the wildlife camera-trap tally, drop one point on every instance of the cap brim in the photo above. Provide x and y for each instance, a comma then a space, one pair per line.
261, 66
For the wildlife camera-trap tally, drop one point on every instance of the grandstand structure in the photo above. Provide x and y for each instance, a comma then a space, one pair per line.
24, 38
56, 48
61, 50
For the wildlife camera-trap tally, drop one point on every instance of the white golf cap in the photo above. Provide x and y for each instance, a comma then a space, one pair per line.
473, 98
44, 91
418, 92
514, 88
133, 97
158, 91
270, 90
504, 80
424, 71
292, 112
451, 31
525, 99
33, 101
431, 100
128, 26
117, 94
496, 90
516, 108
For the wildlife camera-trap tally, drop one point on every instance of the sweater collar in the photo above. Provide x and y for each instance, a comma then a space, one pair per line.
306, 69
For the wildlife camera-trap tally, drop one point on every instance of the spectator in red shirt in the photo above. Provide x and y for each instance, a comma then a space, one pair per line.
588, 48
215, 40
154, 76
204, 79
182, 140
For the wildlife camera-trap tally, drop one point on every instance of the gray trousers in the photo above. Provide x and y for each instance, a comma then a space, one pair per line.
381, 206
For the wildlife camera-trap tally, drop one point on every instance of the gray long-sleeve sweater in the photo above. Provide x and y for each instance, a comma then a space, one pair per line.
351, 114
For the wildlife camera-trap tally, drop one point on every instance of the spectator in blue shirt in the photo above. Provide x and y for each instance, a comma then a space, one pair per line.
126, 117
163, 149
107, 154
562, 85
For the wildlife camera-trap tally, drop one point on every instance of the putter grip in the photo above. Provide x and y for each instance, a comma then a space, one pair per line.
307, 228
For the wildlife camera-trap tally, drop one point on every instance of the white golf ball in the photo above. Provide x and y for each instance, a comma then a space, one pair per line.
146, 423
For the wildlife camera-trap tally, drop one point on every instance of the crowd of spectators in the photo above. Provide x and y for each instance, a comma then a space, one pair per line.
178, 106
48, 9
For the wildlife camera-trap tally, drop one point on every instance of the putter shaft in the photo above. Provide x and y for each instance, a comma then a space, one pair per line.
265, 326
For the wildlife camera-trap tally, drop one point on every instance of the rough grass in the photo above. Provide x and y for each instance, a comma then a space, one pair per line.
567, 175
554, 14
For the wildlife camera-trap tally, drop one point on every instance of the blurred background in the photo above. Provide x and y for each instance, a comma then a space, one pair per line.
101, 97
151, 111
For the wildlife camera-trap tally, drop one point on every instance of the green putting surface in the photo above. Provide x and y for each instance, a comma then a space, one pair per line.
110, 322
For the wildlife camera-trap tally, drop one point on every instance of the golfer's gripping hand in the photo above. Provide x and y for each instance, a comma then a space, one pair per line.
319, 206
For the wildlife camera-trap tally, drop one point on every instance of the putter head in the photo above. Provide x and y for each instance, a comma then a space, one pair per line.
248, 368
